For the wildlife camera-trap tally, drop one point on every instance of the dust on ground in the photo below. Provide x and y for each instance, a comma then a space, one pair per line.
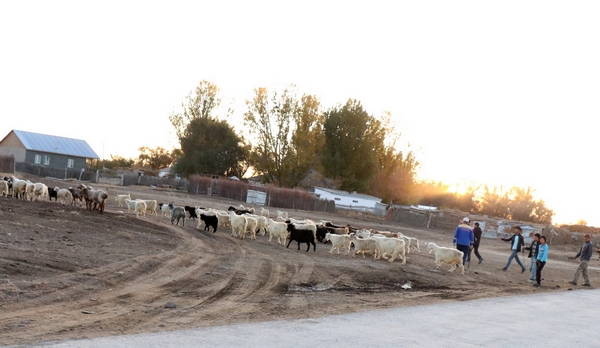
67, 273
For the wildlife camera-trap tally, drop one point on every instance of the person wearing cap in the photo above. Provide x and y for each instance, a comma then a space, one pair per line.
463, 238
517, 242
584, 254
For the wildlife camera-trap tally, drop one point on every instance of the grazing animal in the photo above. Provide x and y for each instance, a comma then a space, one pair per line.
53, 193
121, 199
282, 215
151, 205
4, 188
165, 209
65, 196
76, 193
19, 188
302, 235
338, 242
278, 230
177, 213
191, 211
448, 256
264, 212
140, 208
392, 246
238, 224
367, 245
209, 221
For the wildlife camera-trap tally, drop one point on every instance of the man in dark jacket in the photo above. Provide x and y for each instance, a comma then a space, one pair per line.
533, 252
517, 243
477, 232
585, 254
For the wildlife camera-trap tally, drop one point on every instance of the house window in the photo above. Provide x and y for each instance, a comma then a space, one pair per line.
38, 159
338, 199
353, 201
46, 160
70, 163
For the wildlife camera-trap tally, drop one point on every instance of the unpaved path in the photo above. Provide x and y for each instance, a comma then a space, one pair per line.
68, 273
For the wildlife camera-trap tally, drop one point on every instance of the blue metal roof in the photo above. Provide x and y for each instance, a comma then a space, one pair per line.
55, 144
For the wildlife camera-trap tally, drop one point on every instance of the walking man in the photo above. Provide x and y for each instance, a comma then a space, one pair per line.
463, 238
517, 242
533, 253
585, 254
477, 232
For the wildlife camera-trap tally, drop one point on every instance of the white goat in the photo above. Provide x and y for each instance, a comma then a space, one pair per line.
338, 241
65, 196
278, 230
264, 212
140, 208
151, 205
282, 215
3, 188
366, 245
448, 256
238, 224
392, 246
121, 199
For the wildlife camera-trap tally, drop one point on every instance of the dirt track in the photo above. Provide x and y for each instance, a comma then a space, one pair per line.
69, 273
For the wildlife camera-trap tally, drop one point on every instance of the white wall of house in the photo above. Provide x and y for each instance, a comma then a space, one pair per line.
346, 200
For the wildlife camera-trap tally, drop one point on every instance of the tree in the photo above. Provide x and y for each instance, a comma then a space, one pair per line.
353, 140
286, 129
211, 146
155, 158
117, 162
395, 179
202, 103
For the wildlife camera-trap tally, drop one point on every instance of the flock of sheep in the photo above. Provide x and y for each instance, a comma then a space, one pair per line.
242, 221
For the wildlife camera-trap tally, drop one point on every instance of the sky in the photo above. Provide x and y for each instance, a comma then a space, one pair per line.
501, 93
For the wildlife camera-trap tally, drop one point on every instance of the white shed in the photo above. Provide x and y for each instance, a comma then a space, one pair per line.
350, 200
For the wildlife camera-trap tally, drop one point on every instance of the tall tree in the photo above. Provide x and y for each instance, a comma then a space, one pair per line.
211, 146
353, 140
395, 179
203, 102
285, 129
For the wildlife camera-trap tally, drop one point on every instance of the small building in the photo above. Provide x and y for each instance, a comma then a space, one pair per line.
352, 200
47, 150
165, 172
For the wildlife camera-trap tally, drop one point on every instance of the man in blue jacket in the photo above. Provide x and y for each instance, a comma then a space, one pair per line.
463, 238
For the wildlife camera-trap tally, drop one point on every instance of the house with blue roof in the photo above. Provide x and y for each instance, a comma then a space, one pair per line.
47, 150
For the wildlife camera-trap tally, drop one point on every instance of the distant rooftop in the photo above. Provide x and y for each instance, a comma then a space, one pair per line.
55, 144
349, 194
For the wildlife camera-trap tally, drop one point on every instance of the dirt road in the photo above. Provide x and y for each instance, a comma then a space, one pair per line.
69, 273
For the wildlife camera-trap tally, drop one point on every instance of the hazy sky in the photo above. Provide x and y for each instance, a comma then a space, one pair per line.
502, 93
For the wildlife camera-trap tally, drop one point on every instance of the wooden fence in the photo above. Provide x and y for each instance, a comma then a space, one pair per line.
7, 164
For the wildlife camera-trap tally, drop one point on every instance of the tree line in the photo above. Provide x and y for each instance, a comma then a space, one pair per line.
285, 135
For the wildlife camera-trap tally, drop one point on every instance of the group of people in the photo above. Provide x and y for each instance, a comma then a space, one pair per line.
467, 238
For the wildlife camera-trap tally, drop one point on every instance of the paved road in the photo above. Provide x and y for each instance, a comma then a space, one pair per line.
566, 319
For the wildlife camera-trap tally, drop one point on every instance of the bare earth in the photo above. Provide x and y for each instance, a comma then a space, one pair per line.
67, 273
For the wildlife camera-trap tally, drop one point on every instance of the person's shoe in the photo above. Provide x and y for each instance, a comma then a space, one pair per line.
573, 283
537, 284
522, 269
480, 260
587, 284
530, 280
504, 269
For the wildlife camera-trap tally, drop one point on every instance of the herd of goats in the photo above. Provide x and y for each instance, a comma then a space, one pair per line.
242, 221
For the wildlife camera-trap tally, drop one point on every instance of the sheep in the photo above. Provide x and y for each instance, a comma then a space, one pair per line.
264, 212
223, 219
282, 215
151, 206
209, 221
64, 195
177, 213
97, 197
392, 246
76, 193
191, 211
238, 224
140, 208
366, 245
278, 230
239, 211
19, 188
448, 256
121, 199
251, 226
338, 242
165, 209
302, 234
40, 191
53, 193
4, 188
